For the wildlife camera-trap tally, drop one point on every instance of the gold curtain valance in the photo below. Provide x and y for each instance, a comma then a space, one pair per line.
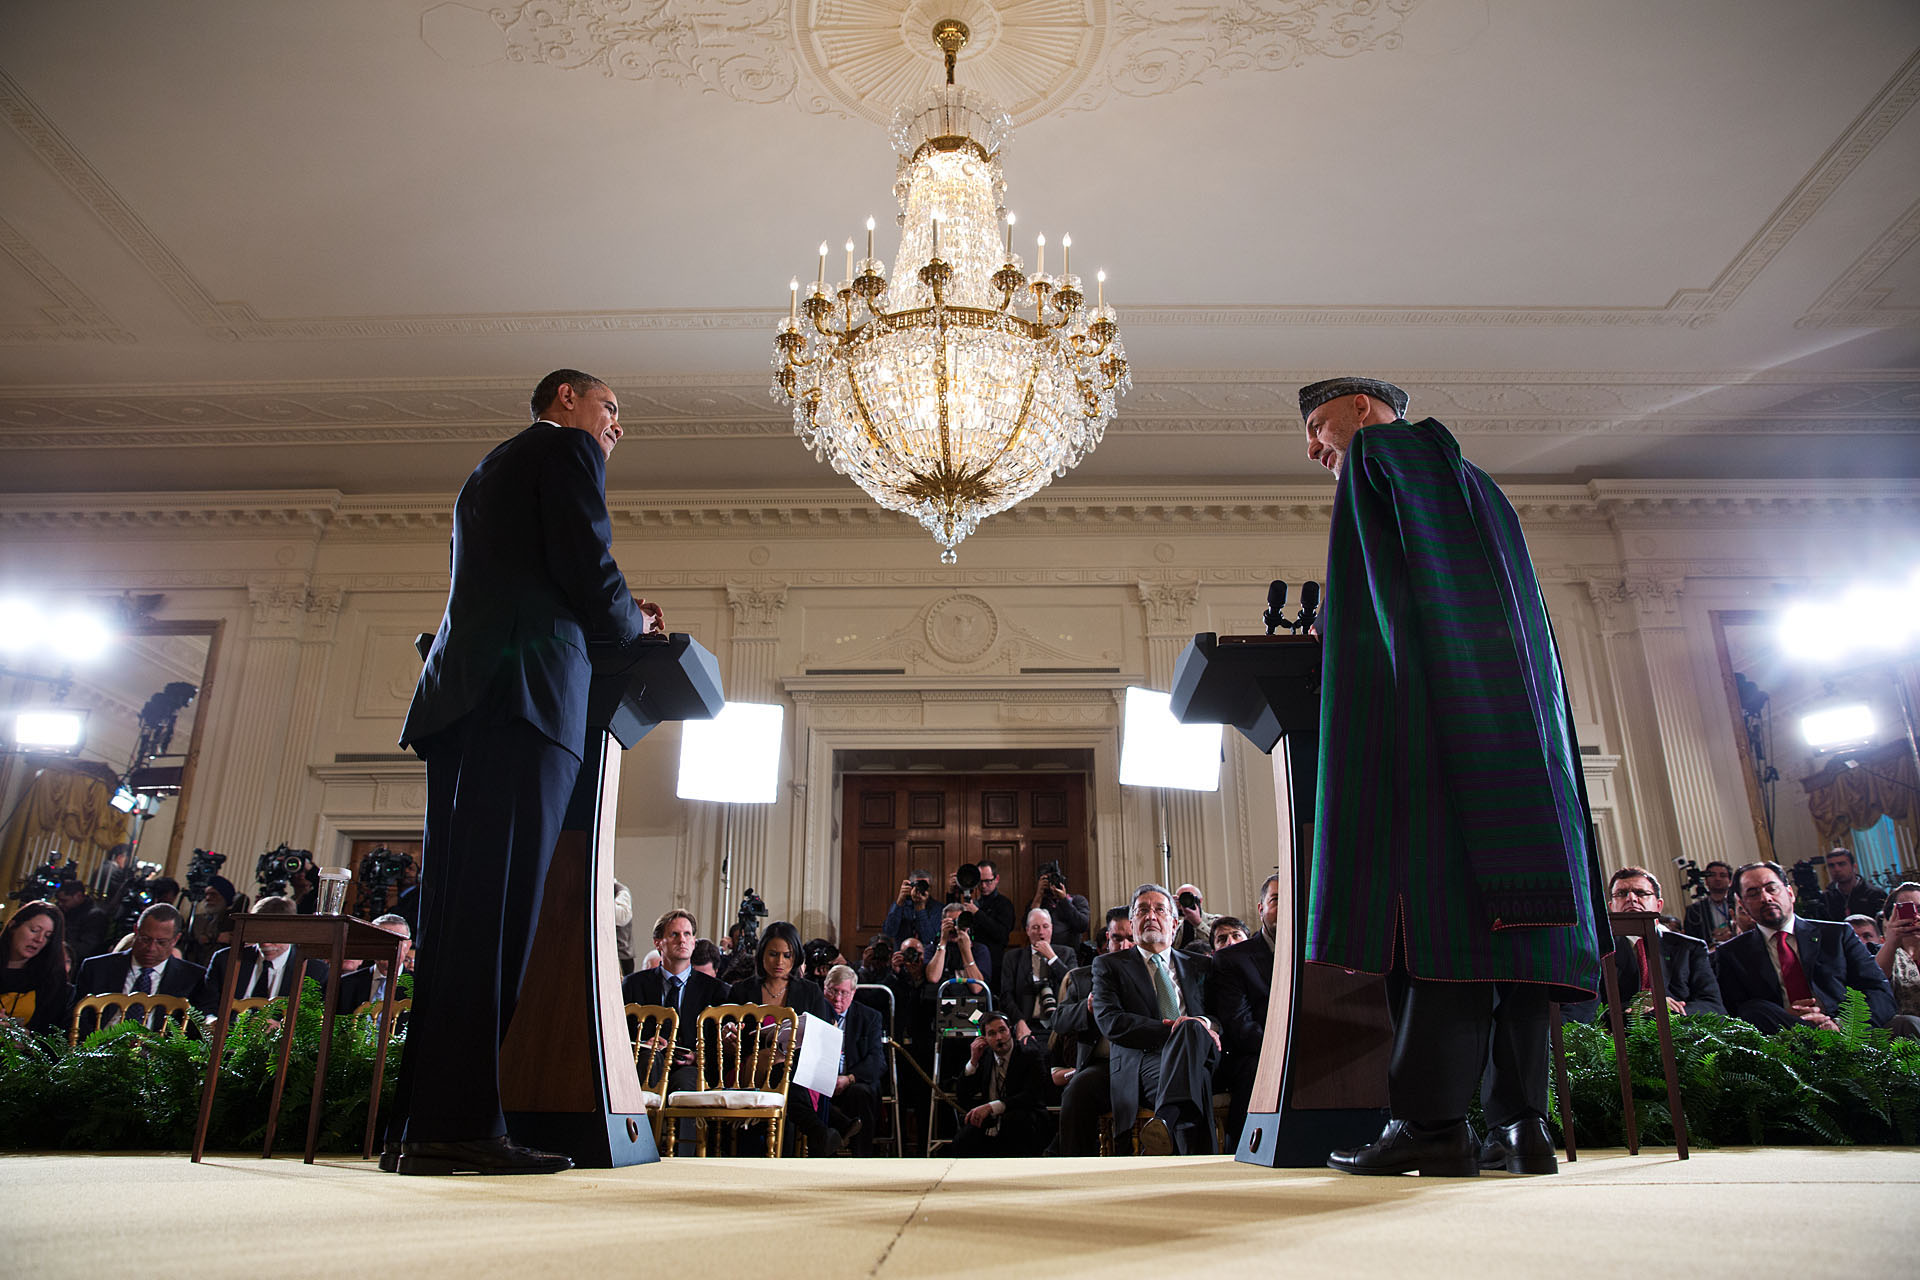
1844, 800
64, 812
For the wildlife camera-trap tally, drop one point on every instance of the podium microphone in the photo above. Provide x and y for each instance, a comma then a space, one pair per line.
1276, 601
1309, 605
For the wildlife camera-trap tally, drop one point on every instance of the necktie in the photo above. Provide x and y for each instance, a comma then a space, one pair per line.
1163, 985
263, 985
1792, 976
673, 992
144, 987
1646, 974
841, 1022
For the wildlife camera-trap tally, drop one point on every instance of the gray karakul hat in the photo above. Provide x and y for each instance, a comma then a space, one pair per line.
1313, 395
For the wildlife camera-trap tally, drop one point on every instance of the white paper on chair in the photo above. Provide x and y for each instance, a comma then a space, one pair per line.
818, 1066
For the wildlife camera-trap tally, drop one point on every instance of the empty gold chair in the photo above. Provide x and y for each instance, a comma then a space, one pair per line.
744, 1055
154, 1011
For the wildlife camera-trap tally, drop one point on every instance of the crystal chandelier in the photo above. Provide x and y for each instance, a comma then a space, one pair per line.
936, 391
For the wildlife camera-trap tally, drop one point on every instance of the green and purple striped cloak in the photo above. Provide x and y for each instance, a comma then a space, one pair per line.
1452, 814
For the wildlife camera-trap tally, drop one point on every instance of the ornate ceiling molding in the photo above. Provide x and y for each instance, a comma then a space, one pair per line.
862, 58
1307, 28
1855, 301
71, 316
1173, 402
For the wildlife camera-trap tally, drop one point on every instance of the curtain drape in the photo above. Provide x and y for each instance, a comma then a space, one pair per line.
65, 813
1843, 799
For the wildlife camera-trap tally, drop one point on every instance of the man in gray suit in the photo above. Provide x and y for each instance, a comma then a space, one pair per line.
1148, 1002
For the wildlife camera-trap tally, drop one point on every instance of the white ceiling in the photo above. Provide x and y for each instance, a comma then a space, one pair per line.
260, 245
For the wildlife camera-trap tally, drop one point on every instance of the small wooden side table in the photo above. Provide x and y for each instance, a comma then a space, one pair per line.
338, 939
1642, 925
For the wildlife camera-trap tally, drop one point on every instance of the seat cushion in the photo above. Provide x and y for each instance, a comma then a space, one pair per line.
726, 1098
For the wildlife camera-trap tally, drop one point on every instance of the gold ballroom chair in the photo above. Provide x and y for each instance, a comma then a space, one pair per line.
371, 1009
655, 1027
155, 1012
744, 1055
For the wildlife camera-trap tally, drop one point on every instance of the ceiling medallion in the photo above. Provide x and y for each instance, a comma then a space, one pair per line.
934, 391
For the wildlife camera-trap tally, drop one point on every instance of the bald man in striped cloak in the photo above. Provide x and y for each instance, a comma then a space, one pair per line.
1452, 846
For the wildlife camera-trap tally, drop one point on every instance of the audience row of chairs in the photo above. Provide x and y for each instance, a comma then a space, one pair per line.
155, 1011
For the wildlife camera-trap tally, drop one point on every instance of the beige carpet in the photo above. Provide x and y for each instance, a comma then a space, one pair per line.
1827, 1212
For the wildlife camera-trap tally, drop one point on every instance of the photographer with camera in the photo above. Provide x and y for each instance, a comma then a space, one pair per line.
988, 912
1072, 915
1710, 917
1195, 930
913, 914
958, 955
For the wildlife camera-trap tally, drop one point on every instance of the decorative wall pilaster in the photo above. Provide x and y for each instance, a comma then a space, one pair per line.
292, 792
1195, 826
1676, 705
259, 740
753, 650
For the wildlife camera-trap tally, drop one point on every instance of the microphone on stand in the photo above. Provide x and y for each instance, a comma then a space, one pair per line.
1276, 601
1309, 606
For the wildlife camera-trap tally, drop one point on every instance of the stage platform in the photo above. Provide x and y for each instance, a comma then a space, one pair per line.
1747, 1213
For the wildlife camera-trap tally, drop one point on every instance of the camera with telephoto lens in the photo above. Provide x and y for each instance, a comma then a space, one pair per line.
381, 872
922, 886
201, 870
1189, 901
968, 878
1053, 876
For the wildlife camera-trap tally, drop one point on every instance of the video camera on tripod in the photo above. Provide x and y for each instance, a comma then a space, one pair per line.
45, 880
279, 865
753, 909
381, 872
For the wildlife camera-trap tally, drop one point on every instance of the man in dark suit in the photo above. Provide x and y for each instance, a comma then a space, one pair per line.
500, 718
369, 982
1788, 969
1711, 918
1030, 979
863, 1062
1848, 892
676, 984
265, 970
1691, 985
1237, 995
1148, 1001
1002, 1095
148, 967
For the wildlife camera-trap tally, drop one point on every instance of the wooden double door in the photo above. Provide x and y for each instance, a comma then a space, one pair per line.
894, 824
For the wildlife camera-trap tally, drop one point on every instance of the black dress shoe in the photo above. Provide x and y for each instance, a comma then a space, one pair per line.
487, 1156
1524, 1146
390, 1157
1445, 1152
1156, 1138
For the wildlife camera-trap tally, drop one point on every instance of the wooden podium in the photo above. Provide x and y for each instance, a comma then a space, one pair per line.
567, 1079
1322, 1078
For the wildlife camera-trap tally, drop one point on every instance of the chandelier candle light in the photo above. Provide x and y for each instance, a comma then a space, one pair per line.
934, 391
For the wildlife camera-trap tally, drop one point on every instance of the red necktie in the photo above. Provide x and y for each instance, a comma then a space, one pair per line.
1792, 976
1646, 974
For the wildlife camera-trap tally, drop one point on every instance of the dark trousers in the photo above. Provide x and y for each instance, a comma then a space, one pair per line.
1447, 1036
1770, 1016
857, 1102
496, 794
1178, 1083
1086, 1098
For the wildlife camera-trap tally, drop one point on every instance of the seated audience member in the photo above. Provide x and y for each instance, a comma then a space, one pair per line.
650, 961
1148, 1002
777, 980
1085, 1097
1789, 969
1030, 979
913, 913
212, 926
263, 969
1867, 929
1899, 957
958, 957
1711, 917
677, 984
1237, 994
1001, 1095
148, 966
1848, 892
87, 922
1072, 916
863, 1062
368, 984
1195, 927
1685, 964
1227, 931
707, 958
33, 968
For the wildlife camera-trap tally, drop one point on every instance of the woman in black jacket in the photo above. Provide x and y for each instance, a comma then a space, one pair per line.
777, 981
33, 968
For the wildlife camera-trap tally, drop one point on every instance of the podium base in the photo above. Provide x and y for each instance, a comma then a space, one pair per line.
1304, 1139
594, 1140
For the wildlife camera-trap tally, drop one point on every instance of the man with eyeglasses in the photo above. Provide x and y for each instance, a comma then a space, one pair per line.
988, 916
1691, 986
1788, 969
